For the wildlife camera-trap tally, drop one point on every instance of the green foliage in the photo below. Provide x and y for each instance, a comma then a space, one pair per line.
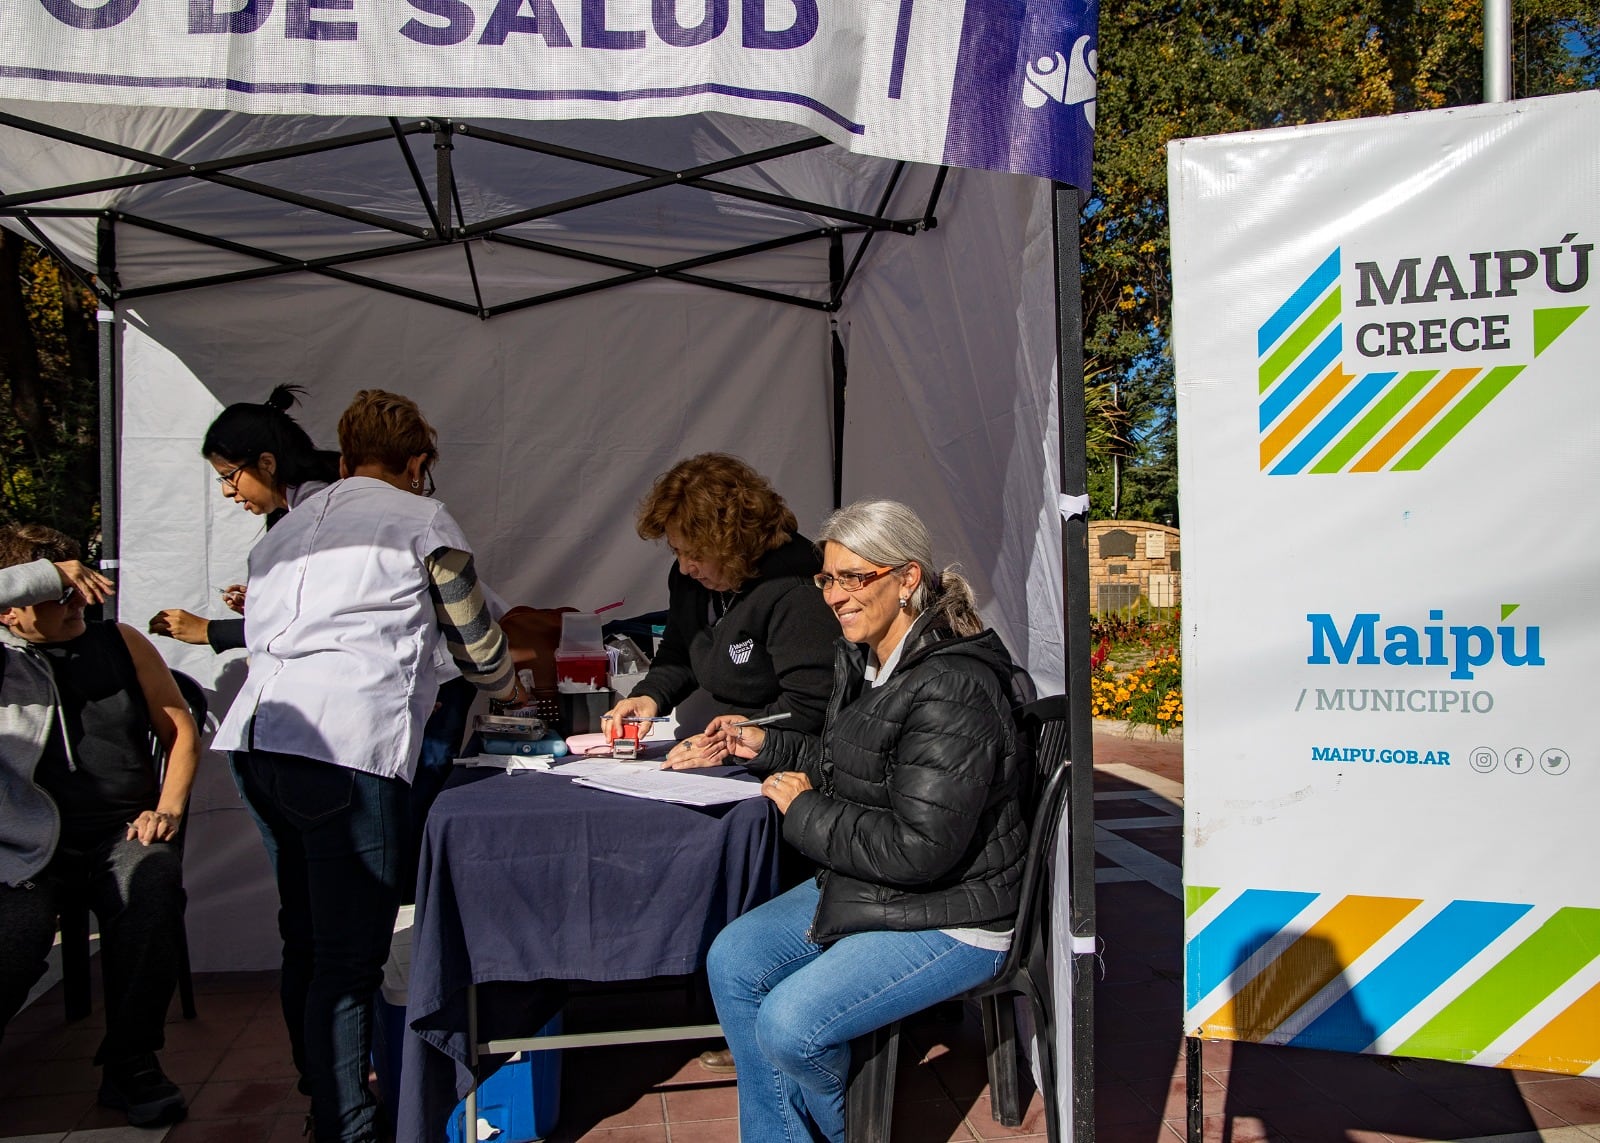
49, 404
1173, 69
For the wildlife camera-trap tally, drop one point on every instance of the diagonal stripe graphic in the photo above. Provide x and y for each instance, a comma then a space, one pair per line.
1314, 442
1314, 365
1387, 408
1460, 931
1302, 414
1471, 404
1308, 966
1570, 1043
1415, 419
1235, 935
1505, 993
1318, 320
1298, 302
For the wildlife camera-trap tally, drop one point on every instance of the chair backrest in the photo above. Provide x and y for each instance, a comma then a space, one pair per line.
194, 697
1047, 720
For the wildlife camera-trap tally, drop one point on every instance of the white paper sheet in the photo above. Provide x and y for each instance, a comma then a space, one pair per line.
660, 785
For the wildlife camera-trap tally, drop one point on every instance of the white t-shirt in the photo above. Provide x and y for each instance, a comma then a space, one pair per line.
341, 630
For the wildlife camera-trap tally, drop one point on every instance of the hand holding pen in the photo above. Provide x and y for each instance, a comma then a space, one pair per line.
740, 736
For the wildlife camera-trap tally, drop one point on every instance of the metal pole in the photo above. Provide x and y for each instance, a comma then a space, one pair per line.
1194, 1098
1496, 51
106, 328
1075, 608
836, 280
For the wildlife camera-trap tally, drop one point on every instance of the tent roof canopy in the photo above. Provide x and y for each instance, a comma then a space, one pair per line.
463, 215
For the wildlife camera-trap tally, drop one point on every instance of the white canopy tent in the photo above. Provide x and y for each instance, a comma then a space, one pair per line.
576, 304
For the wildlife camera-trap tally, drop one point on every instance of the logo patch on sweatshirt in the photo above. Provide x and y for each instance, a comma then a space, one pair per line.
740, 652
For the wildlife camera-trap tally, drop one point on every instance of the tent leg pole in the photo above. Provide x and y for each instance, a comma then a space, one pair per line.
1074, 463
106, 330
840, 366
1193, 1073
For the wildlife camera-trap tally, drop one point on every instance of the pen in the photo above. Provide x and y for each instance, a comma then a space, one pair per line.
638, 718
764, 720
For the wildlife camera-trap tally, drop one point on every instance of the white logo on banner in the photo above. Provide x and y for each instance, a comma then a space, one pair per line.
1052, 77
740, 652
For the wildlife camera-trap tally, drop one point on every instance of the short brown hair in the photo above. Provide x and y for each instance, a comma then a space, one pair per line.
724, 509
24, 543
385, 428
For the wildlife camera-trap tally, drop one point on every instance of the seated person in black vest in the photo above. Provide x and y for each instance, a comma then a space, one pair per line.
81, 811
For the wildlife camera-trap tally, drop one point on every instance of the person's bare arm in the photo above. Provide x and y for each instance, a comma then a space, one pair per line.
175, 729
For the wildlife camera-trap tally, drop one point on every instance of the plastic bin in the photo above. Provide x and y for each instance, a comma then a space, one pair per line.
520, 1102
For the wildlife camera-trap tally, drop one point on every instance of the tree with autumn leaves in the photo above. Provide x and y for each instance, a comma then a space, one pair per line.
49, 403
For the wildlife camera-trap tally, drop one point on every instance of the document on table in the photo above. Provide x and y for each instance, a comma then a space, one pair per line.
680, 786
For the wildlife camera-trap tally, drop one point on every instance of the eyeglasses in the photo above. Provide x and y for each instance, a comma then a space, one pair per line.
227, 478
851, 581
427, 483
66, 596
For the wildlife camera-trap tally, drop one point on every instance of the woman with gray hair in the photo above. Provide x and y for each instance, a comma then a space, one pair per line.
908, 803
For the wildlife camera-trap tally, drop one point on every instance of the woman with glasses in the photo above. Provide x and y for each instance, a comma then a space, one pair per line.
908, 801
350, 595
265, 462
743, 622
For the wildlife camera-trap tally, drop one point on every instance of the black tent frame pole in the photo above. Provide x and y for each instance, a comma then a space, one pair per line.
106, 330
1074, 462
836, 283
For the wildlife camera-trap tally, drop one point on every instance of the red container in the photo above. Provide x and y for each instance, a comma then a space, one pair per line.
585, 669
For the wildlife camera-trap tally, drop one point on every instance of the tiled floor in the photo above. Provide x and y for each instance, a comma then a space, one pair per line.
233, 1062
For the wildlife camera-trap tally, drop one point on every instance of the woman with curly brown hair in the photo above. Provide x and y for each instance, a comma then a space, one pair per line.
744, 621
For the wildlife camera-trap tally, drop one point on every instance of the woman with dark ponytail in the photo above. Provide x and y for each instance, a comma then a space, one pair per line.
266, 463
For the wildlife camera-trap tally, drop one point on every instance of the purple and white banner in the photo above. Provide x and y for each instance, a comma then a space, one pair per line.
998, 84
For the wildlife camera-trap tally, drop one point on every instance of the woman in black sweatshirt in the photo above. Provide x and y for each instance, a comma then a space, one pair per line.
744, 621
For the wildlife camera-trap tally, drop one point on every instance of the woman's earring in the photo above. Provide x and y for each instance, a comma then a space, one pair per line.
416, 484
903, 601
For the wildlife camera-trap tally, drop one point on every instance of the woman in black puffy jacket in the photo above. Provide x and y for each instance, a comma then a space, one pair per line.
908, 801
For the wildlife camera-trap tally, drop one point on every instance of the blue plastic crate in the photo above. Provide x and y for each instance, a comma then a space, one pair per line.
519, 1103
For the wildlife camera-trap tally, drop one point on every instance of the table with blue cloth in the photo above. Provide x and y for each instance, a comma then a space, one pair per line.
526, 877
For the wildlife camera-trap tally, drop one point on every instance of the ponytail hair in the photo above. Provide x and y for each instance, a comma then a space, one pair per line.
889, 534
243, 431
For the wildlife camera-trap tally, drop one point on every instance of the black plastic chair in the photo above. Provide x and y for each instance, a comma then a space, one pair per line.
74, 922
869, 1093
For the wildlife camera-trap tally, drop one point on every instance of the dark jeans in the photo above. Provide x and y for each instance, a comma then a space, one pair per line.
441, 741
336, 838
137, 893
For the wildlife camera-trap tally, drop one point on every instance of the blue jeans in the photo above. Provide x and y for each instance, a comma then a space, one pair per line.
336, 838
790, 1007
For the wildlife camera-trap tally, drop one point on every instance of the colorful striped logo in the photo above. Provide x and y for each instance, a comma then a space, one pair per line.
1316, 416
1493, 983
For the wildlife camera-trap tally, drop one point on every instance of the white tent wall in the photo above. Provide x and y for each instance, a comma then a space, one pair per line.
552, 423
952, 406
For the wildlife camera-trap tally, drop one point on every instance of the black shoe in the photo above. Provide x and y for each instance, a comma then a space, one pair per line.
138, 1086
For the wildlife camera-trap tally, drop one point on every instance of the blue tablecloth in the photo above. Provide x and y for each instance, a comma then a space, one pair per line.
526, 877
